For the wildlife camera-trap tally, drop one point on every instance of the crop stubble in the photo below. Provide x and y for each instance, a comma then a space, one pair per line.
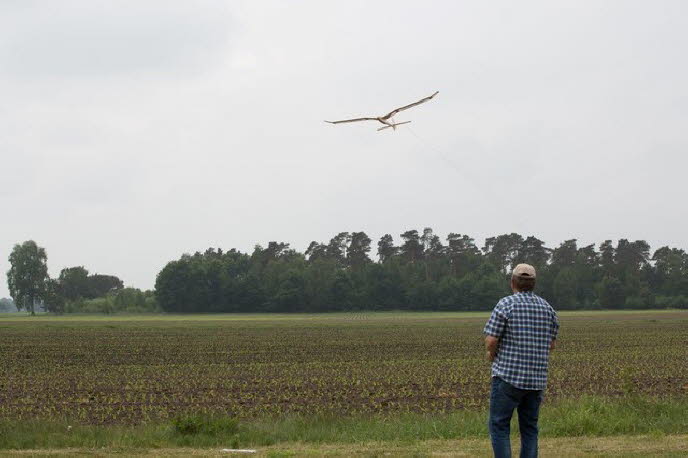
127, 372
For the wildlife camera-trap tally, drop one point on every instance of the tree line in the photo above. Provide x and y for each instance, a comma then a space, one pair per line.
74, 290
421, 272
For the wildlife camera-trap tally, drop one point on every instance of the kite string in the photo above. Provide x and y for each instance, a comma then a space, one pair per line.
446, 158
442, 154
461, 171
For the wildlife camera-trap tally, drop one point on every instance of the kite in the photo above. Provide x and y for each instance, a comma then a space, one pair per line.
389, 116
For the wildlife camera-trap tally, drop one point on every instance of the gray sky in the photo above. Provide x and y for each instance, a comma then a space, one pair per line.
134, 131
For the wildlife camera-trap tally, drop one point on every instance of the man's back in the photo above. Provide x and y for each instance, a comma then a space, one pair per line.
520, 334
526, 325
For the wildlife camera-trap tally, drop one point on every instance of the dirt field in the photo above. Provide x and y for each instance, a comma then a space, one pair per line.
126, 370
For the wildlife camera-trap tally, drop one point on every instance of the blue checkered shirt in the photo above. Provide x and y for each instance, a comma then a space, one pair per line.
525, 324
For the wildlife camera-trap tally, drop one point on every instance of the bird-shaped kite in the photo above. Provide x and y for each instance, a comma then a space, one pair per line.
389, 116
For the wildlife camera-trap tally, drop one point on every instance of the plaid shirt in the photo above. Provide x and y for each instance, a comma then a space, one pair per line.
525, 324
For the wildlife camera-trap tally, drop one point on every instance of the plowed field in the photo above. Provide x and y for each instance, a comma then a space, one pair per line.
130, 370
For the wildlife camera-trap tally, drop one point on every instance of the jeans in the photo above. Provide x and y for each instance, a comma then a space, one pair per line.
503, 400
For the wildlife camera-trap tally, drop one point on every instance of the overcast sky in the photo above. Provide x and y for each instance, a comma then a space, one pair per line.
135, 131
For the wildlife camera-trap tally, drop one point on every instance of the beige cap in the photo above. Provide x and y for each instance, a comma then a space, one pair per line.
524, 270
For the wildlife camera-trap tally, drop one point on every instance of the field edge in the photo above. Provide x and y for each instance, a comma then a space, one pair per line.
639, 445
588, 416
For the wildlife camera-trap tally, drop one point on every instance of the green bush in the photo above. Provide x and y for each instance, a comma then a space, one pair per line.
126, 300
636, 302
681, 302
192, 425
673, 302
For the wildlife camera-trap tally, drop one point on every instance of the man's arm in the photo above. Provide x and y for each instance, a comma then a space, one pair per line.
491, 344
493, 331
554, 330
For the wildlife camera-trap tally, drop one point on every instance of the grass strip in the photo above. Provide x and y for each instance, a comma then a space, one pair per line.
585, 416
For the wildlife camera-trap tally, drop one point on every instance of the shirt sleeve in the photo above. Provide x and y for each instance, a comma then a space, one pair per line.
496, 324
554, 329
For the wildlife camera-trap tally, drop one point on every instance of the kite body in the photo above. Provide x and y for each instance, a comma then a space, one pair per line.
388, 119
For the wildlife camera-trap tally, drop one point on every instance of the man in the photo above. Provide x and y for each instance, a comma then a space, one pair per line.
519, 337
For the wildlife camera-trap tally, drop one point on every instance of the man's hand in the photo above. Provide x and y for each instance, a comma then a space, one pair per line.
491, 344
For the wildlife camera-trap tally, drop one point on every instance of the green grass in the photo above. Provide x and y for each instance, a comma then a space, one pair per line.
587, 416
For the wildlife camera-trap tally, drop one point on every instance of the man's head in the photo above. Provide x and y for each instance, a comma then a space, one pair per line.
523, 278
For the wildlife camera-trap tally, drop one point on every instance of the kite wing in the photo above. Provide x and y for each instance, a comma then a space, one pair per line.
352, 120
394, 126
393, 112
